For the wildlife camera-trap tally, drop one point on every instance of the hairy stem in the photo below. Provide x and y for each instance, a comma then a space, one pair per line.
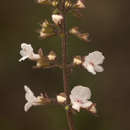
65, 69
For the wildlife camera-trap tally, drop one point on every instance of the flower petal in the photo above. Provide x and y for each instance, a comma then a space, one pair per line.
76, 106
27, 106
81, 92
29, 95
87, 104
95, 57
98, 68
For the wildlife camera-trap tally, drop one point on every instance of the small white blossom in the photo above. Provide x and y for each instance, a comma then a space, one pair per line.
79, 97
27, 52
57, 18
31, 99
93, 62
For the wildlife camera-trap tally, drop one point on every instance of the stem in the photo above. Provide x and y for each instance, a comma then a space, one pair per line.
65, 69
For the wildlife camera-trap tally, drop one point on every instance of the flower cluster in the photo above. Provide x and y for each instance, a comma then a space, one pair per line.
80, 96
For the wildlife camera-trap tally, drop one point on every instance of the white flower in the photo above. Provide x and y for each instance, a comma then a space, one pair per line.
57, 18
79, 97
80, 4
93, 62
27, 52
31, 99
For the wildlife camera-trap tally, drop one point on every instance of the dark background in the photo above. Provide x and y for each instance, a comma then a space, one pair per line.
108, 22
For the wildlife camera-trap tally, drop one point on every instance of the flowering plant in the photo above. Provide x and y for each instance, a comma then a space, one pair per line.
80, 96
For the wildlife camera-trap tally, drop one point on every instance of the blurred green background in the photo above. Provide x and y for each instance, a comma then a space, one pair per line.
108, 22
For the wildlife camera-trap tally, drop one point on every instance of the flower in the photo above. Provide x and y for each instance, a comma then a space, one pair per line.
80, 4
31, 99
27, 52
79, 97
93, 62
57, 18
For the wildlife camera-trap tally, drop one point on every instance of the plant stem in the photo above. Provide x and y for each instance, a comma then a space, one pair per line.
65, 69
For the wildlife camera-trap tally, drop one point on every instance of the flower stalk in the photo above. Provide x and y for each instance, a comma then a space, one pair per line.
65, 68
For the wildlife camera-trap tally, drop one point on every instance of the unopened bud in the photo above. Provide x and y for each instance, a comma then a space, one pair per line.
68, 4
77, 60
43, 62
84, 36
57, 18
61, 98
92, 108
79, 4
74, 30
40, 99
54, 3
45, 24
43, 35
42, 1
67, 108
52, 56
39, 64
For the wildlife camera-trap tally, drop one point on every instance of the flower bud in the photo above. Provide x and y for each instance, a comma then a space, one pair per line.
74, 30
54, 3
45, 35
57, 18
83, 36
52, 56
43, 62
61, 98
79, 4
46, 30
68, 4
92, 108
45, 24
77, 60
42, 1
